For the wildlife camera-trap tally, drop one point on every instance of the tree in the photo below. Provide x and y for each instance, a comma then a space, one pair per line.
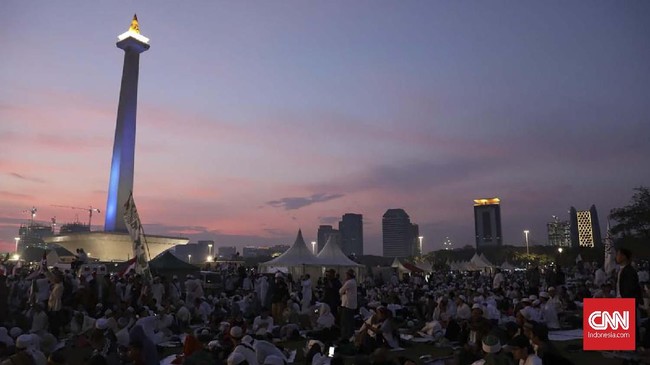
634, 218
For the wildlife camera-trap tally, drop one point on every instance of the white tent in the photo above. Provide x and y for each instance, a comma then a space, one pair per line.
332, 257
297, 260
485, 260
507, 266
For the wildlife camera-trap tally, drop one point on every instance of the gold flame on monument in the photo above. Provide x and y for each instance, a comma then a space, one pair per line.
134, 24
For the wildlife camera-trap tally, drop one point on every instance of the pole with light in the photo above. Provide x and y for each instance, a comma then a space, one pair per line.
189, 258
560, 250
313, 247
526, 232
17, 239
209, 249
421, 238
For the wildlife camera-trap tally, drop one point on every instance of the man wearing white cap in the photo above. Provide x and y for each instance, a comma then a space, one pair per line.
175, 289
24, 352
157, 291
549, 314
463, 311
242, 349
348, 294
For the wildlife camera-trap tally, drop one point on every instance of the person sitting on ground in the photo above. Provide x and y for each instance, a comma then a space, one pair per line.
493, 354
523, 352
377, 331
240, 348
263, 323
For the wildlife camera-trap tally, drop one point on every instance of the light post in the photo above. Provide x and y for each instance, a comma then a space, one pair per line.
313, 247
560, 250
526, 232
17, 239
209, 249
189, 258
421, 238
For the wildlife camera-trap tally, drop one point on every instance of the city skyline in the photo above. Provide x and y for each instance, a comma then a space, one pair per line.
255, 121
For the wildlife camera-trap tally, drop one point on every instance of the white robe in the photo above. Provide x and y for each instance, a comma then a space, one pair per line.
306, 295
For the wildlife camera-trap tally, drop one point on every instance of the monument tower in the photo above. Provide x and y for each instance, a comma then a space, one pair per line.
115, 243
122, 164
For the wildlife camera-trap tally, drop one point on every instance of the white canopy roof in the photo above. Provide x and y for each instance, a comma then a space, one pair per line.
507, 266
297, 255
332, 255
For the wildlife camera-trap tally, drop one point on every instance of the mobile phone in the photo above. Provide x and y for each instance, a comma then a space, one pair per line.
330, 352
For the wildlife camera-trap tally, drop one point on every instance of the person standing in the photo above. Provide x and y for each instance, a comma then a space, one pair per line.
306, 292
54, 304
331, 294
279, 298
627, 283
348, 294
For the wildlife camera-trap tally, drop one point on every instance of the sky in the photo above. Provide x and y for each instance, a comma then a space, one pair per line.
259, 118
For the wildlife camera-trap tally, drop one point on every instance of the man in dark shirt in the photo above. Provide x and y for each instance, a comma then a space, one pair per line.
331, 294
279, 298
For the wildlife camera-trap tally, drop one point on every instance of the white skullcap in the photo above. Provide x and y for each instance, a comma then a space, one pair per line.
24, 341
15, 332
236, 332
101, 324
247, 339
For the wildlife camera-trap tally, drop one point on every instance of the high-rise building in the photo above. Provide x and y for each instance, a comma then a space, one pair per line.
398, 234
351, 229
487, 222
585, 228
226, 252
324, 233
559, 233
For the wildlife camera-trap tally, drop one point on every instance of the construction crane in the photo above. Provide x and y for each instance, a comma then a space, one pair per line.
32, 212
90, 211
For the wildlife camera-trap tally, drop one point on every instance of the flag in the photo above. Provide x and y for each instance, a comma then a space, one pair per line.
134, 226
130, 265
610, 256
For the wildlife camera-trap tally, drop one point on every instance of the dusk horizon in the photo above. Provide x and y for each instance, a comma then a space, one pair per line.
257, 120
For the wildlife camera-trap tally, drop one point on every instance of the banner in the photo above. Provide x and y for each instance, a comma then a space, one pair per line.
132, 220
610, 255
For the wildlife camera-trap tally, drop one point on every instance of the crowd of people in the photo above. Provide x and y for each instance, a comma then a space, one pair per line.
51, 316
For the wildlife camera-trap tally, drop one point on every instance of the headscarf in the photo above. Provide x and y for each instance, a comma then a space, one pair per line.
149, 351
325, 317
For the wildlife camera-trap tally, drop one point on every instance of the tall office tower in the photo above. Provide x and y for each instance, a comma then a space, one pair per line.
559, 233
487, 222
122, 164
351, 229
397, 233
585, 228
324, 233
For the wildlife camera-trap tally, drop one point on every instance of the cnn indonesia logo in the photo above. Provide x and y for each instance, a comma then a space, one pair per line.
609, 324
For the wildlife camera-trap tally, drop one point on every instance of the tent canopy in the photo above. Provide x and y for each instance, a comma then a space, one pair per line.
297, 255
168, 262
332, 255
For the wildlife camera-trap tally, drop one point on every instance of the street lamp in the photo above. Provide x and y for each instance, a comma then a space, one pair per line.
209, 249
17, 239
189, 258
421, 238
526, 232
313, 247
560, 250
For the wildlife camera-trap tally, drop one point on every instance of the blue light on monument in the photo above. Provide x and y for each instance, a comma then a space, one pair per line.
122, 165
